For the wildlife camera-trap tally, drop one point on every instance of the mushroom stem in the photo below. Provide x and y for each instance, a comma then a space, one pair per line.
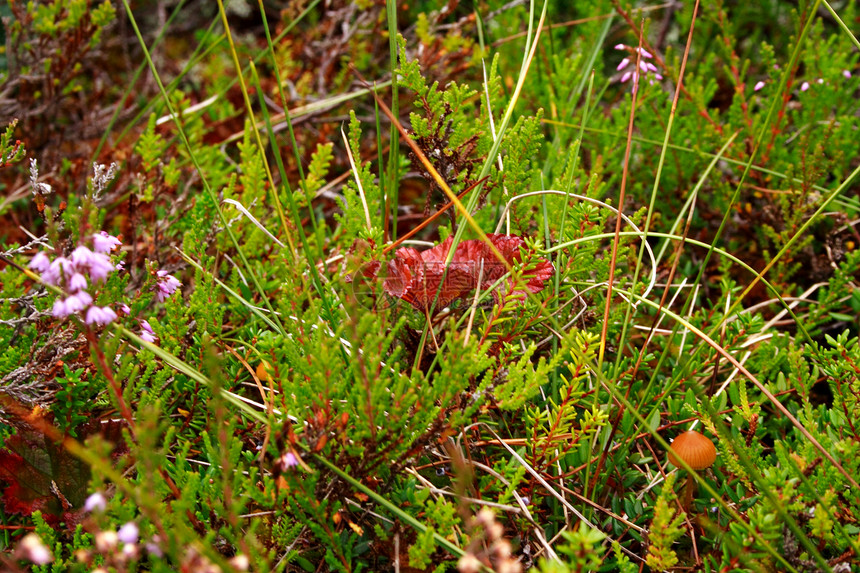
689, 491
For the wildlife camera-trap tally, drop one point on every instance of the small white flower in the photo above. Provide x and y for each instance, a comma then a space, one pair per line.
758, 86
106, 541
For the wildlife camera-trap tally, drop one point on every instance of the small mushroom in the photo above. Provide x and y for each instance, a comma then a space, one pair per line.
263, 371
698, 452
695, 449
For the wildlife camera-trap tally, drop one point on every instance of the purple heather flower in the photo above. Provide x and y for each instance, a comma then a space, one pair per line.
40, 262
96, 502
104, 243
758, 86
98, 264
128, 533
644, 68
165, 286
146, 332
124, 309
71, 304
804, 86
100, 315
59, 268
846, 74
288, 460
77, 282
153, 547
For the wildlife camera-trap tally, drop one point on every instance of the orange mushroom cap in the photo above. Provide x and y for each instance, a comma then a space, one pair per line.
695, 449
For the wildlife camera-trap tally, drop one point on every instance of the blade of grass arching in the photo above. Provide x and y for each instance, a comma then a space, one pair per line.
180, 366
392, 197
238, 297
670, 236
842, 25
393, 508
271, 51
684, 240
133, 82
193, 156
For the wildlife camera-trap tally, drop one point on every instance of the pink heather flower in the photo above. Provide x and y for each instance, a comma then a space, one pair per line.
34, 550
104, 243
153, 547
644, 69
804, 86
98, 264
100, 315
71, 304
40, 262
128, 533
59, 268
758, 86
165, 286
146, 332
96, 502
846, 74
124, 309
288, 460
77, 282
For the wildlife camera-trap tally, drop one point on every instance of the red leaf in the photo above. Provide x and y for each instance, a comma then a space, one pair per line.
416, 277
